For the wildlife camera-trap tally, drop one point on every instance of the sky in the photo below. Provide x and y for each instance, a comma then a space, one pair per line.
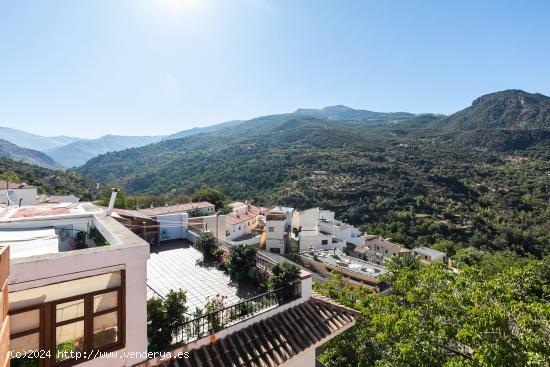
149, 67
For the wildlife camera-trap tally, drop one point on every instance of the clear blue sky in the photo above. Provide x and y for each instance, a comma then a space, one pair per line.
87, 68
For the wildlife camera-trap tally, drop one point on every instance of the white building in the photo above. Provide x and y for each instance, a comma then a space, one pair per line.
277, 229
204, 207
242, 222
429, 255
377, 249
20, 193
77, 283
319, 230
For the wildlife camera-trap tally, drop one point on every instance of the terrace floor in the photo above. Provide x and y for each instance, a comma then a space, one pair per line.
177, 265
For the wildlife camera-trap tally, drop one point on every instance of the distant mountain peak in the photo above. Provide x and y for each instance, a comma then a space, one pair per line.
339, 107
507, 109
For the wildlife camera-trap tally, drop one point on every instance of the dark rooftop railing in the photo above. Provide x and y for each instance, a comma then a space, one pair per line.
210, 323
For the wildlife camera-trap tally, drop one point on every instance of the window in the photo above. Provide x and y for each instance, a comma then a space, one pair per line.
324, 242
271, 229
83, 323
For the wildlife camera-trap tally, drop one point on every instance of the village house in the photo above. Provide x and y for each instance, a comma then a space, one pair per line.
77, 283
318, 229
429, 255
377, 249
244, 223
277, 229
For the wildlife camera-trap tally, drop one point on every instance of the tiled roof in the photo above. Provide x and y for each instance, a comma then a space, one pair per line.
243, 215
13, 185
275, 340
179, 208
385, 243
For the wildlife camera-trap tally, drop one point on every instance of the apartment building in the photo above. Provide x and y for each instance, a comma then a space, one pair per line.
77, 284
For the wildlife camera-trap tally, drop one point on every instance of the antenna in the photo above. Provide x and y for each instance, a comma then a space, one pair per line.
12, 197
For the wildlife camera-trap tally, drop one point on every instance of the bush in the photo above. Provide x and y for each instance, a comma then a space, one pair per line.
206, 243
282, 276
241, 258
165, 318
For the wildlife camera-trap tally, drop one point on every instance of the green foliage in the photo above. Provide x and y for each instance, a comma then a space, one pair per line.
52, 182
241, 258
120, 201
164, 318
493, 313
213, 196
415, 185
406, 261
206, 243
283, 275
196, 212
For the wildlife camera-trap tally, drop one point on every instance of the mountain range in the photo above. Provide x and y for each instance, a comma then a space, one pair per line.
70, 152
478, 177
25, 155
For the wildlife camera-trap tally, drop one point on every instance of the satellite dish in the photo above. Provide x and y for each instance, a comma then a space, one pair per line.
12, 197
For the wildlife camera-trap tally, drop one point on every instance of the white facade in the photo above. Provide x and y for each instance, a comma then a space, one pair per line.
430, 255
320, 230
172, 226
25, 196
99, 290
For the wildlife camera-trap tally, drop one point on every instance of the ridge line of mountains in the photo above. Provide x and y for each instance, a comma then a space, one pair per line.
510, 109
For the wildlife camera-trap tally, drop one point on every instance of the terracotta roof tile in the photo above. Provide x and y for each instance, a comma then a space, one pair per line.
273, 341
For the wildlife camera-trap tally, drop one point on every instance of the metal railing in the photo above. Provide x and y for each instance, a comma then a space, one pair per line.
210, 323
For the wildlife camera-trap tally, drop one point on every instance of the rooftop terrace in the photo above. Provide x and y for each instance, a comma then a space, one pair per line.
47, 229
338, 259
177, 265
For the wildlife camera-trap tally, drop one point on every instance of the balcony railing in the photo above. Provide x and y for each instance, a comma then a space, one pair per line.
213, 322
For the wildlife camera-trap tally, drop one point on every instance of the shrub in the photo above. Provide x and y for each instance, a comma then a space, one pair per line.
206, 243
164, 318
241, 258
282, 276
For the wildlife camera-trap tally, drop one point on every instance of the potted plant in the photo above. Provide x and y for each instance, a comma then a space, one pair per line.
241, 259
213, 305
79, 241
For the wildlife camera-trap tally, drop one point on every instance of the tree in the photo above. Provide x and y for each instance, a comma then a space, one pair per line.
206, 242
493, 313
165, 317
120, 201
241, 259
213, 196
408, 261
282, 276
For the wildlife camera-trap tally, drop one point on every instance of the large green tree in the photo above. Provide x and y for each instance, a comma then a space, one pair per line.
494, 312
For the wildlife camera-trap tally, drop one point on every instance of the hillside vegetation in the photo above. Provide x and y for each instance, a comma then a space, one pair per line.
25, 155
415, 180
53, 182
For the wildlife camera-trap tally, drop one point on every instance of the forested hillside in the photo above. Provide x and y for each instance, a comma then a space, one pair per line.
411, 180
54, 182
25, 155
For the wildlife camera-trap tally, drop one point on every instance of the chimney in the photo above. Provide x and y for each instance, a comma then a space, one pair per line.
111, 202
